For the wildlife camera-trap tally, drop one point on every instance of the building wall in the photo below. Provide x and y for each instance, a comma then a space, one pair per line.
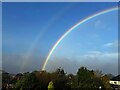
114, 82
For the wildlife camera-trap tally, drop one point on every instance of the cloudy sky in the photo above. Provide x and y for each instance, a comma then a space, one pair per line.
31, 29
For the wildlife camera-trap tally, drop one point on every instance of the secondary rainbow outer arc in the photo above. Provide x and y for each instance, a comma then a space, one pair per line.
71, 29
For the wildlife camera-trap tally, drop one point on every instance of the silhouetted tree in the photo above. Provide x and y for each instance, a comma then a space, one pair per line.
87, 79
29, 81
59, 79
39, 80
44, 79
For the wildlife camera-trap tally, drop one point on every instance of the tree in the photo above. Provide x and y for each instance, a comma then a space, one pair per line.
59, 79
110, 76
44, 79
82, 75
98, 73
6, 78
29, 81
50, 86
71, 81
105, 79
87, 79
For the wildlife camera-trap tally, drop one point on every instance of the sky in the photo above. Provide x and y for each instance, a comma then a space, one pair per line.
31, 29
60, 1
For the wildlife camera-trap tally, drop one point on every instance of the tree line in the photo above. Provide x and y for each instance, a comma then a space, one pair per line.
57, 80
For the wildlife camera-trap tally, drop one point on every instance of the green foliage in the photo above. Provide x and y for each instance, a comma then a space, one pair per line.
59, 80
5, 77
43, 78
105, 79
98, 73
18, 85
29, 81
87, 79
50, 86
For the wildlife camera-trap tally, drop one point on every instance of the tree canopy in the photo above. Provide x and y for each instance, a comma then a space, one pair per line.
59, 80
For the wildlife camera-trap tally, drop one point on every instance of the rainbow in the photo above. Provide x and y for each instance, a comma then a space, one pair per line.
72, 28
40, 34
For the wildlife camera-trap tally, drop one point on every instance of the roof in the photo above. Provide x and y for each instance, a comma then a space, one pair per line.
117, 78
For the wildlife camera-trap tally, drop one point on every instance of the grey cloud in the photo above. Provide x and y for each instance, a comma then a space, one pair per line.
12, 63
107, 62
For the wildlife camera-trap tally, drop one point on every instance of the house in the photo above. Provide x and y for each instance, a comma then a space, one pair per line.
115, 82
